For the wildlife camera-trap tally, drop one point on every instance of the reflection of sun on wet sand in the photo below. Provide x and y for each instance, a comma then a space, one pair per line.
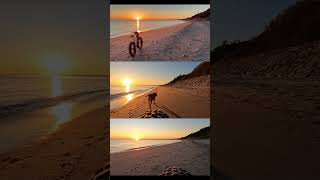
187, 96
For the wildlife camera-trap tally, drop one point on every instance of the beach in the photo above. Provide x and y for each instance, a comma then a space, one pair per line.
274, 125
188, 41
184, 99
272, 131
190, 155
75, 150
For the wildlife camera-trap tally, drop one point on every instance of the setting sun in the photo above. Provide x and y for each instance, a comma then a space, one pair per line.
127, 82
136, 136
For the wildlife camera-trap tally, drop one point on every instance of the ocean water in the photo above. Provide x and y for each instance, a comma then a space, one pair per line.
119, 145
121, 95
125, 27
33, 106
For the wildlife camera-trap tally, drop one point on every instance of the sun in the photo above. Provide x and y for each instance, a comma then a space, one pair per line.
56, 64
127, 82
136, 136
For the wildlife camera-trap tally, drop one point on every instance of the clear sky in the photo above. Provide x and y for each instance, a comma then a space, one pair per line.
155, 128
155, 11
37, 34
148, 73
242, 20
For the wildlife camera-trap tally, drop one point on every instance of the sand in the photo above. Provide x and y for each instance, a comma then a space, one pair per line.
266, 128
75, 151
190, 155
189, 41
188, 99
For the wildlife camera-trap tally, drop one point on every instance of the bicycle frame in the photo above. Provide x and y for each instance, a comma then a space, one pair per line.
135, 37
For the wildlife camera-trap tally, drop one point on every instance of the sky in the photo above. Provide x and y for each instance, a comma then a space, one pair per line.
155, 128
148, 73
35, 34
130, 12
245, 19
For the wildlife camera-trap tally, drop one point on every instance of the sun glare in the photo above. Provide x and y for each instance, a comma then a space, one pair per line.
136, 136
127, 83
55, 64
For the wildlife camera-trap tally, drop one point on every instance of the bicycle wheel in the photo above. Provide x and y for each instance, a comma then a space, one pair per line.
132, 49
139, 42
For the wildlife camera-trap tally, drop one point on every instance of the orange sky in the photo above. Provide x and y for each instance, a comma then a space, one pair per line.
130, 12
155, 128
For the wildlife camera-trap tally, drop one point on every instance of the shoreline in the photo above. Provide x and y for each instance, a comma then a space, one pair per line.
184, 99
137, 93
145, 31
152, 161
188, 41
69, 152
145, 147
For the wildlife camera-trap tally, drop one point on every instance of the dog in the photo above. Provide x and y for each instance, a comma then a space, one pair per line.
151, 98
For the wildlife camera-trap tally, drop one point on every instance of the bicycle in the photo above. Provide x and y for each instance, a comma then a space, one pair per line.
136, 42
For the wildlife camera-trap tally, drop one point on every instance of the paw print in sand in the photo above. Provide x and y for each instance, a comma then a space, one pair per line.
154, 114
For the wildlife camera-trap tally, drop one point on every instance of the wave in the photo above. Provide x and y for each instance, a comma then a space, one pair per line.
112, 96
27, 106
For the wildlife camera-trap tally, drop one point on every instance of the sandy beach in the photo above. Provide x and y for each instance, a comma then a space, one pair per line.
189, 41
75, 151
191, 155
185, 99
272, 131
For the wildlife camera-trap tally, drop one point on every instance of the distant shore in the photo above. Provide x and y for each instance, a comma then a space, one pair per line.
190, 155
76, 150
189, 41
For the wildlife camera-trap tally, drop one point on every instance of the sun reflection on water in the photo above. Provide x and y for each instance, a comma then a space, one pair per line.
138, 24
56, 86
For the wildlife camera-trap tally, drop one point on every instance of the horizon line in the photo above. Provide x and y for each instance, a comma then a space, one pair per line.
147, 19
30, 74
143, 139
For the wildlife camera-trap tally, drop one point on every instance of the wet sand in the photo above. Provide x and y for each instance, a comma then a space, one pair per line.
187, 99
190, 155
189, 41
75, 151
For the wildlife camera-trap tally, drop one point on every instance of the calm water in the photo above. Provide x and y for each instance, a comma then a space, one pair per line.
121, 95
124, 27
33, 106
117, 145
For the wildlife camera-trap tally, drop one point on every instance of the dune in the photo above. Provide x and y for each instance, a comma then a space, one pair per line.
75, 151
186, 96
266, 101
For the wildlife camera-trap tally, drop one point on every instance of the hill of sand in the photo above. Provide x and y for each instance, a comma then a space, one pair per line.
203, 133
266, 100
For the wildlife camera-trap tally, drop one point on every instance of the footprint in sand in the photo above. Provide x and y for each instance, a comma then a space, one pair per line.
154, 114
174, 171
